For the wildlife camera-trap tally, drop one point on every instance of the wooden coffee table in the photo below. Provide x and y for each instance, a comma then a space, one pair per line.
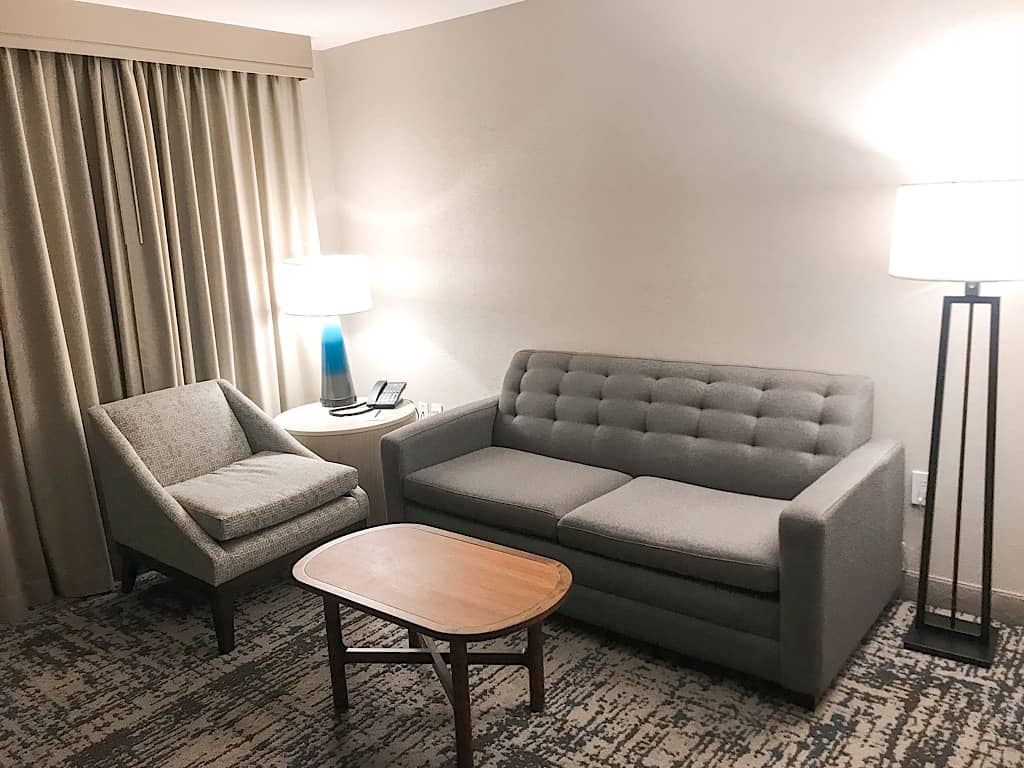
439, 585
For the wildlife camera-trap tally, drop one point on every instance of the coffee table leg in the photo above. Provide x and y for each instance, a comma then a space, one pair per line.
336, 651
535, 663
463, 720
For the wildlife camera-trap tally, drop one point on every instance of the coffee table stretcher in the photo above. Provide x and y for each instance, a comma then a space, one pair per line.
451, 666
423, 650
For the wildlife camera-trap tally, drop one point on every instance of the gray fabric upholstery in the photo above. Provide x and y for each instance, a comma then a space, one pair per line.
738, 609
261, 491
336, 517
840, 562
183, 432
144, 516
790, 531
721, 537
140, 513
453, 433
510, 489
261, 431
675, 631
758, 431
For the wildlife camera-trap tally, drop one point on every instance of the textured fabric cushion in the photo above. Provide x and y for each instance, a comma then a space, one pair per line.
741, 609
336, 517
181, 433
262, 432
748, 430
510, 489
261, 491
455, 432
722, 537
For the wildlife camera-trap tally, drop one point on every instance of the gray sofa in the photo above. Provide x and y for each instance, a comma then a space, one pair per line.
744, 516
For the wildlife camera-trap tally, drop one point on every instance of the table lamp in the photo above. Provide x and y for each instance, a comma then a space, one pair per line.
969, 232
327, 286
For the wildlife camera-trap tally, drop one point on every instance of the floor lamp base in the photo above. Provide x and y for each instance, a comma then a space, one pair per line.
961, 642
972, 642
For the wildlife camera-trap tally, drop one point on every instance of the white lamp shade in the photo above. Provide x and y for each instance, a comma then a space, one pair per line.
968, 232
324, 285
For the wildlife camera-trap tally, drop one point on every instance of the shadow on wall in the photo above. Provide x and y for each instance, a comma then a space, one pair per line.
677, 180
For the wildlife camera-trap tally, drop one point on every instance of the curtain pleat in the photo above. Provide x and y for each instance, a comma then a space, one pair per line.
42, 321
142, 208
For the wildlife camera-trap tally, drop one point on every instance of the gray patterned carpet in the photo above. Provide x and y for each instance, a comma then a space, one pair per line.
135, 681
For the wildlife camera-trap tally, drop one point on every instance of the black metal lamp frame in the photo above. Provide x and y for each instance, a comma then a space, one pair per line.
938, 634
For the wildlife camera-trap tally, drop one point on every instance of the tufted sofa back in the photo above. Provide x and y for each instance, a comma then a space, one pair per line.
757, 431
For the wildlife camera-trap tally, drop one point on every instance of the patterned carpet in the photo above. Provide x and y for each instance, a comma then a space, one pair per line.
135, 681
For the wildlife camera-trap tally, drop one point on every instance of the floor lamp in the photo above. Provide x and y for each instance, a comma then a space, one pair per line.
969, 232
327, 286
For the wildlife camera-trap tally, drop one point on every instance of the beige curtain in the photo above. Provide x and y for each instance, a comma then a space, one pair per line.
141, 209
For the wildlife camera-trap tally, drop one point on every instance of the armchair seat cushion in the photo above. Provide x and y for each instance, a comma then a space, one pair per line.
261, 491
725, 538
514, 490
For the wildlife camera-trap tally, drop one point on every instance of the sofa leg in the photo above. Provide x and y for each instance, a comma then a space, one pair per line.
806, 701
222, 602
129, 569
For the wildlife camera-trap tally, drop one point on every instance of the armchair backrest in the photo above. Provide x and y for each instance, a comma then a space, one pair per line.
759, 431
183, 432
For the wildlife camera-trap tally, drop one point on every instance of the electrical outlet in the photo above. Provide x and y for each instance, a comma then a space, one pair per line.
422, 410
918, 487
436, 408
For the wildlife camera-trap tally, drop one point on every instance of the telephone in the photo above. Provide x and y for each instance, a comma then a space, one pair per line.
385, 394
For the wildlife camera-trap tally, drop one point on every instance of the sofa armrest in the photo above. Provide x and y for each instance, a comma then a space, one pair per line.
262, 432
840, 562
453, 433
139, 512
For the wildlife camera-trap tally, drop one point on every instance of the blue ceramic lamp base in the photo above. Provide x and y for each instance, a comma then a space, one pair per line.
336, 387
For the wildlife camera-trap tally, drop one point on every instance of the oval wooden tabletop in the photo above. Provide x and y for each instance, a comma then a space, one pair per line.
443, 583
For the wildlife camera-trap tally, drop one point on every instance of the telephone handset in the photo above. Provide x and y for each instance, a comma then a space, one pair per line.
385, 394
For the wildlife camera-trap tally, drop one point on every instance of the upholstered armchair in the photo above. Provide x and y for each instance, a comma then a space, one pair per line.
199, 483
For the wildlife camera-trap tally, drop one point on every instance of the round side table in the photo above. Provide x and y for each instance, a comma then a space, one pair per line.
351, 440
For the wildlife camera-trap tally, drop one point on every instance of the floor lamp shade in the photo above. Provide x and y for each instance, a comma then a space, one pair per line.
964, 232
327, 286
970, 232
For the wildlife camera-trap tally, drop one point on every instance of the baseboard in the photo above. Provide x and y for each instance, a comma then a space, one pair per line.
1007, 607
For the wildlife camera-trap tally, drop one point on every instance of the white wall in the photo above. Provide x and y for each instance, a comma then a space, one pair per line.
688, 180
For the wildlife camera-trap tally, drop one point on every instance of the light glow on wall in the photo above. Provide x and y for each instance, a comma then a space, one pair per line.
954, 109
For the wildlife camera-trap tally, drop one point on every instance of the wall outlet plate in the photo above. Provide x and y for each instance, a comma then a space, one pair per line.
436, 408
918, 487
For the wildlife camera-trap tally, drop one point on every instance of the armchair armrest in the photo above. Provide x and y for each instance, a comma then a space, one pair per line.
262, 432
140, 513
840, 562
454, 433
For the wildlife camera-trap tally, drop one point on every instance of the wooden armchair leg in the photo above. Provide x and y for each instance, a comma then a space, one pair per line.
129, 569
223, 604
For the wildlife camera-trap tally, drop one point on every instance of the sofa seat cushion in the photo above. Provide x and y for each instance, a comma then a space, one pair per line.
510, 489
721, 537
741, 609
261, 491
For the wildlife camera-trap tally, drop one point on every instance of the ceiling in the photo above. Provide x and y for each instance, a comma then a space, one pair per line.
328, 22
